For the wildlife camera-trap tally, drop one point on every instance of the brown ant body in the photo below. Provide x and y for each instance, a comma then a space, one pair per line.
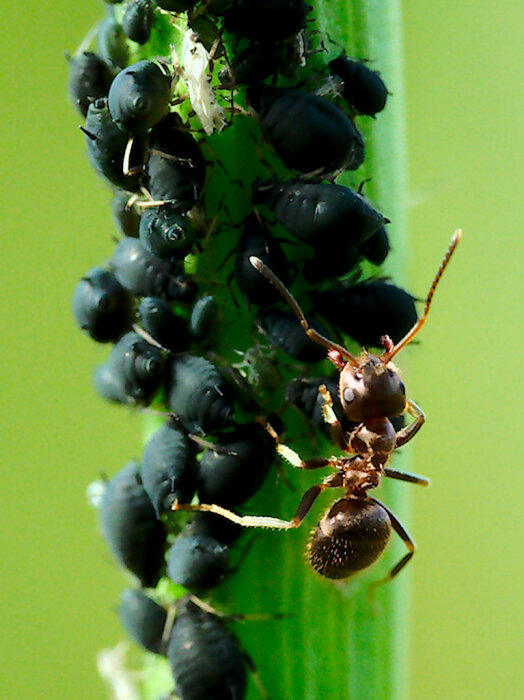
355, 530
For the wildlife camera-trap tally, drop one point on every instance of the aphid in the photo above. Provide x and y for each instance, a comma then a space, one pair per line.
321, 213
258, 62
176, 5
356, 528
130, 526
166, 232
112, 42
106, 147
169, 468
89, 79
256, 239
125, 216
203, 317
143, 620
284, 331
307, 132
139, 96
138, 21
364, 89
303, 392
367, 311
330, 261
223, 530
196, 560
376, 247
145, 274
101, 306
234, 471
176, 168
159, 320
206, 660
132, 373
198, 394
266, 20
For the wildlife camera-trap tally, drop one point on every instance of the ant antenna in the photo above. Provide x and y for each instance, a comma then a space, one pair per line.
386, 357
311, 332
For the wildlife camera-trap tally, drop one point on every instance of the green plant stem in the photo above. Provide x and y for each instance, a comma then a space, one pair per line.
333, 640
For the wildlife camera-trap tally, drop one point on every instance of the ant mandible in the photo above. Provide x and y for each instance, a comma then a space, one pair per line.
355, 530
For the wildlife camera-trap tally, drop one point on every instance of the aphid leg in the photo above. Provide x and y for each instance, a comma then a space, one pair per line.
404, 536
149, 338
337, 433
170, 619
255, 675
412, 429
292, 457
407, 476
310, 332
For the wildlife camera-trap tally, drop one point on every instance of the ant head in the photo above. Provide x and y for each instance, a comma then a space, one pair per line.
371, 388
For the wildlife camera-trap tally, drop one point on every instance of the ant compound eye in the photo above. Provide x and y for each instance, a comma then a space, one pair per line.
348, 395
402, 388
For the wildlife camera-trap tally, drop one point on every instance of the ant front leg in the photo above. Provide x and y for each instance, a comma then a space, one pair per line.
404, 536
409, 432
294, 458
337, 433
407, 476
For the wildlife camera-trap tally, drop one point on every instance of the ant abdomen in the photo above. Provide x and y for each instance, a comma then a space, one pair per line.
350, 537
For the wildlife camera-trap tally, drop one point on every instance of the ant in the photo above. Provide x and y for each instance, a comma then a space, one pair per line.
355, 530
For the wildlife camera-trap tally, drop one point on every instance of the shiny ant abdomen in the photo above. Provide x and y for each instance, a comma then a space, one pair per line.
355, 530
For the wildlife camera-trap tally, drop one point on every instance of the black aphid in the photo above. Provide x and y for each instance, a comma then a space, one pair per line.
89, 79
367, 311
101, 306
285, 332
139, 96
256, 239
307, 132
206, 660
203, 317
112, 42
106, 147
156, 316
237, 469
143, 619
197, 560
168, 468
266, 20
138, 21
166, 232
125, 216
198, 394
364, 89
176, 168
130, 526
145, 274
132, 373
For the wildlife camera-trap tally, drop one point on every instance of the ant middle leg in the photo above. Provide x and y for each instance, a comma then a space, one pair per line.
310, 496
407, 476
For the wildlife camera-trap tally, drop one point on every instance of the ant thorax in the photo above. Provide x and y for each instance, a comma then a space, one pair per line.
371, 389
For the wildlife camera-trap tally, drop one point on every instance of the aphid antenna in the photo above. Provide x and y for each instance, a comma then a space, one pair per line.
313, 334
389, 354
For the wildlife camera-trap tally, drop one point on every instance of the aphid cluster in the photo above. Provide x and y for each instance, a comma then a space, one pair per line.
151, 130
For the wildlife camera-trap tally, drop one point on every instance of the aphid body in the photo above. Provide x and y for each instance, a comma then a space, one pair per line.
206, 659
143, 619
363, 88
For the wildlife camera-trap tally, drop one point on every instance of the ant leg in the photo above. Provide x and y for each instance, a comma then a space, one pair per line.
412, 429
337, 434
295, 459
255, 675
404, 536
333, 481
407, 476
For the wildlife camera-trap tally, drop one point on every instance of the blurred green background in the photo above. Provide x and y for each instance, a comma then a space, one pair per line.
464, 104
